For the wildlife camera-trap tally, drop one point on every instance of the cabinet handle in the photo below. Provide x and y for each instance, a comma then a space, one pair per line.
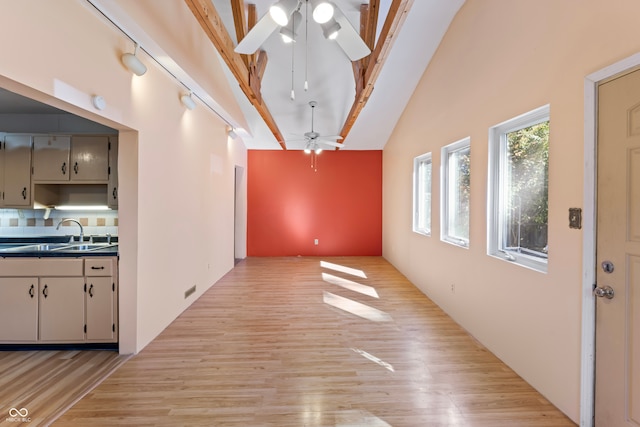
91, 290
115, 193
24, 193
75, 168
45, 291
31, 293
64, 168
93, 267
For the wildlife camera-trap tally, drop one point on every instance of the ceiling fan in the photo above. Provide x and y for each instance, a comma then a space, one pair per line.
314, 141
285, 14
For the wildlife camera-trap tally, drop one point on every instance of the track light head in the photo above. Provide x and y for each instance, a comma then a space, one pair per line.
188, 101
133, 64
282, 10
322, 11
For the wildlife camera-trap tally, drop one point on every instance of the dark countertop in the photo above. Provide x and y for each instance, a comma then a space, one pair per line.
56, 246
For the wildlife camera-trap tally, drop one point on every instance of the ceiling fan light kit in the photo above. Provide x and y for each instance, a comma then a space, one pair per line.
282, 10
290, 31
322, 11
330, 29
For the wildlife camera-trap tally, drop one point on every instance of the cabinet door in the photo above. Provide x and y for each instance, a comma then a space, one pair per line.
113, 173
61, 309
18, 309
51, 158
100, 299
90, 158
17, 171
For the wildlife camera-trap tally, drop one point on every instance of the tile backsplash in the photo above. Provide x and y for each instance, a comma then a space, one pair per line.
31, 222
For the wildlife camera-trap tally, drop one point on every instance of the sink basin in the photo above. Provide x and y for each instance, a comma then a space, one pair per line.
38, 247
82, 247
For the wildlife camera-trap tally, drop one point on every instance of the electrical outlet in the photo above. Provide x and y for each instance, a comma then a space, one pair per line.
315, 242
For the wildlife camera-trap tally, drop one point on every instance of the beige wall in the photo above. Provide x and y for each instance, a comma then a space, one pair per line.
176, 166
499, 59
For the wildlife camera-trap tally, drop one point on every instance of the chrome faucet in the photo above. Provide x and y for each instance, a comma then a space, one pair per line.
77, 222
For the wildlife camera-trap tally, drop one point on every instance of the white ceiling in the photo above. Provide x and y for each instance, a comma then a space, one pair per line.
329, 74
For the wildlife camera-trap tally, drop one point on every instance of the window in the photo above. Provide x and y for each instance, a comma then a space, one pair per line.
455, 191
518, 189
422, 194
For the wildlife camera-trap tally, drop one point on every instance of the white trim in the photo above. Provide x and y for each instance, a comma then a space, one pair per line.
587, 374
496, 187
417, 162
444, 193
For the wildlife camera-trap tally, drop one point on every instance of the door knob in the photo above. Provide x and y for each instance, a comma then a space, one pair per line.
604, 292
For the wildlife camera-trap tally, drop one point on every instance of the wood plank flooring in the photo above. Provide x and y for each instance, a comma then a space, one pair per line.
290, 342
46, 383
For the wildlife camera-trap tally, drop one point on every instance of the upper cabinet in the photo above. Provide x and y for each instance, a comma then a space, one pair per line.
58, 158
112, 193
15, 171
51, 157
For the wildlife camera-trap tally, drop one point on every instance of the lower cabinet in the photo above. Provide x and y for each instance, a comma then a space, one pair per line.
66, 301
18, 309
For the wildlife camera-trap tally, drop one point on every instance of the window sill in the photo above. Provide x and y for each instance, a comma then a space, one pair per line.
522, 261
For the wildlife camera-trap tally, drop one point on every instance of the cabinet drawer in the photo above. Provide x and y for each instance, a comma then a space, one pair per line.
98, 267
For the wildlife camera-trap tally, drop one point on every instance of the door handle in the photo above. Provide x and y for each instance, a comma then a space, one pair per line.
91, 290
45, 291
64, 168
604, 292
75, 168
24, 193
31, 294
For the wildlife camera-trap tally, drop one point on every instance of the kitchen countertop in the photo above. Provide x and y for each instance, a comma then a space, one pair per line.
56, 246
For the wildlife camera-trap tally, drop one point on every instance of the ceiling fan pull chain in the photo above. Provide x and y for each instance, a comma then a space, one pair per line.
293, 43
306, 46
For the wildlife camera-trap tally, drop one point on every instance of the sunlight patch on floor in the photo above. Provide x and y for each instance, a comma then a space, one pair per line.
357, 308
359, 418
343, 269
373, 358
350, 284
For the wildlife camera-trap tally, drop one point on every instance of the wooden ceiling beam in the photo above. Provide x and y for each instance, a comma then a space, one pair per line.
212, 24
392, 24
239, 23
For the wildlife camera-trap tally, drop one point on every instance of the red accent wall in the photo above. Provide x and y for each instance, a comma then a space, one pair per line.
290, 204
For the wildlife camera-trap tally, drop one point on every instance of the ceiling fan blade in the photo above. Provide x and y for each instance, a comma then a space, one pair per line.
349, 39
331, 137
258, 35
330, 143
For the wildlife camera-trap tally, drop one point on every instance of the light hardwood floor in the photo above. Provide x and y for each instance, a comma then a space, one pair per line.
288, 342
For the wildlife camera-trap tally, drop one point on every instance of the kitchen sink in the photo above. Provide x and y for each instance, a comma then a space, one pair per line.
83, 247
37, 247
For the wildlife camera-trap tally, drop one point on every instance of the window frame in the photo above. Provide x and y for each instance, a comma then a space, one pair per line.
495, 188
417, 193
446, 151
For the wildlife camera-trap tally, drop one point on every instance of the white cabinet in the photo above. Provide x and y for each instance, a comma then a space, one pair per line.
15, 171
89, 158
58, 300
59, 158
51, 157
112, 190
61, 309
18, 309
100, 300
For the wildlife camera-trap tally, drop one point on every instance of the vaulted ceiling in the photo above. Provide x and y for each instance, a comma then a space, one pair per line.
360, 101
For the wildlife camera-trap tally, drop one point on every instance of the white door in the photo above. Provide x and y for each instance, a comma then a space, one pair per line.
618, 254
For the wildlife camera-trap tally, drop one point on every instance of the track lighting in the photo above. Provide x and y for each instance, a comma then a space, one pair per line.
232, 133
290, 32
133, 64
330, 29
188, 101
282, 10
322, 11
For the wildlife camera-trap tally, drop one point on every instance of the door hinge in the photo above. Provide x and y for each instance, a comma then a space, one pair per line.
85, 288
85, 328
113, 287
113, 327
109, 170
109, 145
